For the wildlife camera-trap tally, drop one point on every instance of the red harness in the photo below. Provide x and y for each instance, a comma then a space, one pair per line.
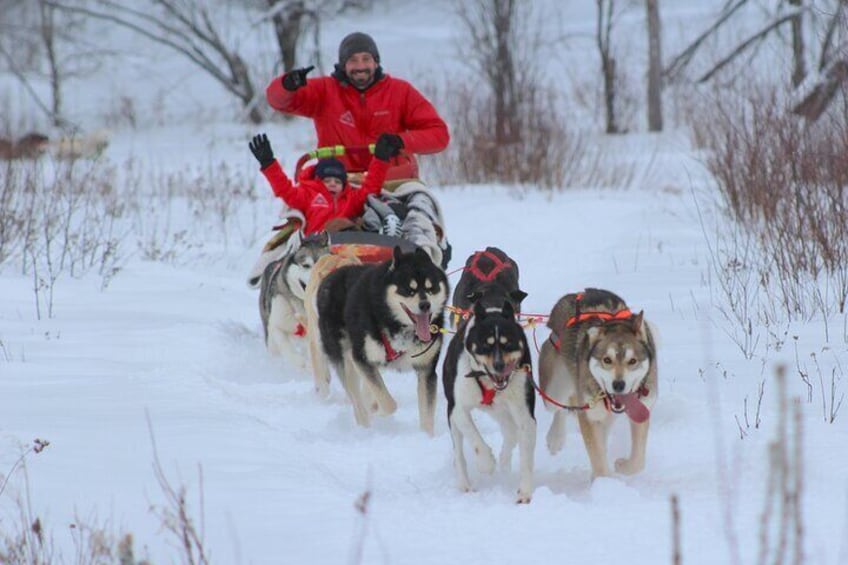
488, 393
391, 354
475, 271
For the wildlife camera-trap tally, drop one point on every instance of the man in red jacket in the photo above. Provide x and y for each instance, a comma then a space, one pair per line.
358, 103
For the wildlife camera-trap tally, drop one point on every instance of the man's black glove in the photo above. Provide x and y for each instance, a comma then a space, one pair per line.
261, 149
296, 78
388, 146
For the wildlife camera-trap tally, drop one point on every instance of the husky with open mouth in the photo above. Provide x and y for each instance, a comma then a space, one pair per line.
488, 367
600, 361
387, 314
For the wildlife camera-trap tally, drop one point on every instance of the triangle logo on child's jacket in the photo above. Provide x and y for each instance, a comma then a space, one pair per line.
320, 200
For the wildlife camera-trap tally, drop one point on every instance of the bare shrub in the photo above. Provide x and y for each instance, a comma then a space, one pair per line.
175, 214
60, 220
745, 424
24, 542
734, 283
831, 394
27, 540
506, 125
543, 152
783, 182
175, 514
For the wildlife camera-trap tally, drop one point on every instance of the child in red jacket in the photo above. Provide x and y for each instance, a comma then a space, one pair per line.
325, 193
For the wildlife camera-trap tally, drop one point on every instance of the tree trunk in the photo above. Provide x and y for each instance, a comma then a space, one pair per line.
48, 38
655, 118
799, 67
604, 34
288, 25
815, 103
504, 87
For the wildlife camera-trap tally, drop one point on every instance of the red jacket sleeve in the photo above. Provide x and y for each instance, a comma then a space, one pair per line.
426, 131
373, 185
293, 195
305, 101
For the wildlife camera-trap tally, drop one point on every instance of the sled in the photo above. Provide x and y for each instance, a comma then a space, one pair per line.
368, 245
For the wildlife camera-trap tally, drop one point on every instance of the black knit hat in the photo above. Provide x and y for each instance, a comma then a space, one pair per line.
357, 42
331, 167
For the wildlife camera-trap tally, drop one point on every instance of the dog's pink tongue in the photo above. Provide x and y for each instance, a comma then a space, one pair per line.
422, 326
633, 407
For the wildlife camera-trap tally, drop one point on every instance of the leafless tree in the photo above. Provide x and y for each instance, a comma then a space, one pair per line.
35, 36
833, 66
799, 67
655, 118
494, 44
833, 49
186, 26
288, 18
294, 20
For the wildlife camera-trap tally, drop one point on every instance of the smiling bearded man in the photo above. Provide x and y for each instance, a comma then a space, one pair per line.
358, 103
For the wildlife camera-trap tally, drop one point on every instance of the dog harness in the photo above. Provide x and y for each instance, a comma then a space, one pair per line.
391, 354
488, 393
475, 271
579, 317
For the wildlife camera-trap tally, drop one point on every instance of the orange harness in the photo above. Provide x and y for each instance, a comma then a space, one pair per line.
578, 317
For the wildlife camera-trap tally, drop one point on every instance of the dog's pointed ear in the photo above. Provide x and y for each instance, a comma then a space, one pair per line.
422, 255
636, 322
508, 311
324, 239
397, 254
479, 310
518, 295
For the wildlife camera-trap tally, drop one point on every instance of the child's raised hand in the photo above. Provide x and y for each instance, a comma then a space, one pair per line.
261, 149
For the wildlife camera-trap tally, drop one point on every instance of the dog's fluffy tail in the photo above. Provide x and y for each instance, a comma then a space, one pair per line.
268, 256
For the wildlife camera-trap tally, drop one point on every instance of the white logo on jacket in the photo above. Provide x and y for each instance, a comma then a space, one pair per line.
320, 200
347, 119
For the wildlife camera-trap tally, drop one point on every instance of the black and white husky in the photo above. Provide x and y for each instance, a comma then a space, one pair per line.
386, 314
488, 367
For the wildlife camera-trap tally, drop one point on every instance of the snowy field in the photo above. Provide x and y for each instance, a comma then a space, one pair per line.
168, 363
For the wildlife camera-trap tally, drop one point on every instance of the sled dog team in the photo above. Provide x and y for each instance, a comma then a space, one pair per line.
358, 318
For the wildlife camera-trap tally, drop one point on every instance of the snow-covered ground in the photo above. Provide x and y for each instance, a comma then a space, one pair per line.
168, 362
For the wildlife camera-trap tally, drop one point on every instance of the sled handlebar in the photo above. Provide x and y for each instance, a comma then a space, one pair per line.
330, 151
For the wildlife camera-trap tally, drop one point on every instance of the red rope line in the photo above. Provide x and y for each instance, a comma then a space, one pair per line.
529, 372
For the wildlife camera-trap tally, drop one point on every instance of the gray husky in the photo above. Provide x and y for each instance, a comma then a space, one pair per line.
600, 361
282, 289
386, 314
